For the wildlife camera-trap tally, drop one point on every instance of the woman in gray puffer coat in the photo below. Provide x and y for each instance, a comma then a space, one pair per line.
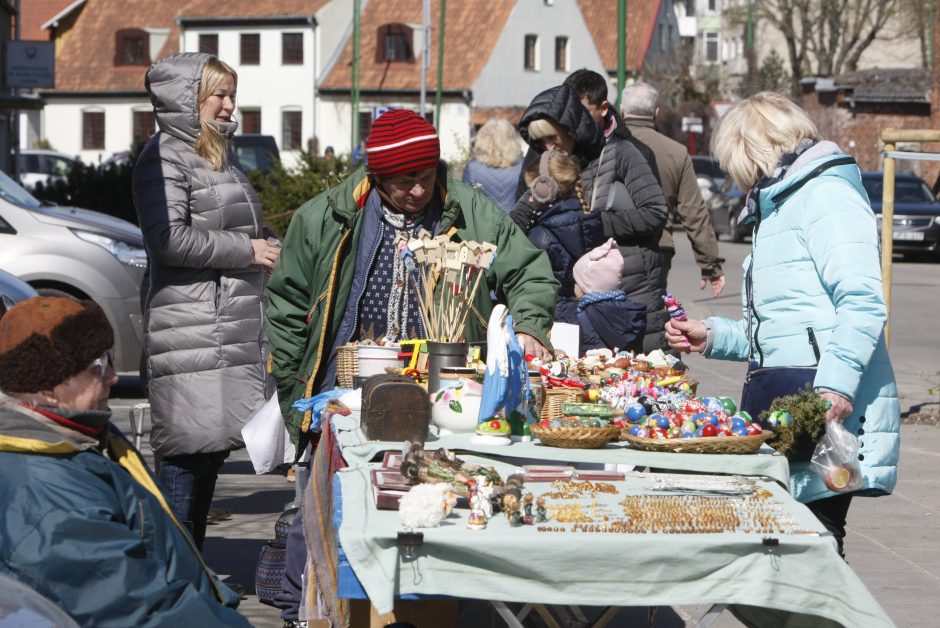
635, 221
204, 294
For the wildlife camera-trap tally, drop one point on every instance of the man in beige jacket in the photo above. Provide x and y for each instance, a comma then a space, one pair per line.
686, 206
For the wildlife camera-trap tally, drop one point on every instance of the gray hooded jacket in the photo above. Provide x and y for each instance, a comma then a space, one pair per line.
203, 299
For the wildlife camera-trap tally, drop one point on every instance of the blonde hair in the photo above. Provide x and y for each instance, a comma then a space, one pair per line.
564, 171
544, 127
497, 144
212, 145
754, 133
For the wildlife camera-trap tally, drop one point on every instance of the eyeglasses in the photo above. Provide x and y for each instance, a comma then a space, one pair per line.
103, 363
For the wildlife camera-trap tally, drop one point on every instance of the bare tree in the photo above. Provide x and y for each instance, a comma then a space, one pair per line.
826, 37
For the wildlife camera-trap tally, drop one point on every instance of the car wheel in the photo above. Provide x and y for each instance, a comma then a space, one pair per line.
734, 233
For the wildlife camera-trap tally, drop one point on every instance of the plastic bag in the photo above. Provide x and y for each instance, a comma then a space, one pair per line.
836, 459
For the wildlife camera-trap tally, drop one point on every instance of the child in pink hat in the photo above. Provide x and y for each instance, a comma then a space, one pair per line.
607, 318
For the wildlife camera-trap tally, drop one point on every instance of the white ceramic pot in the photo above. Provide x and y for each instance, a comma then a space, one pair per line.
373, 359
455, 407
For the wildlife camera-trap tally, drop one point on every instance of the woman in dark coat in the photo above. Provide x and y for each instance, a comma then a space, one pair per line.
634, 214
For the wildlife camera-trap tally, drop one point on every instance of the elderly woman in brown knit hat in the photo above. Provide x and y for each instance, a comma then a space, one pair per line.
85, 524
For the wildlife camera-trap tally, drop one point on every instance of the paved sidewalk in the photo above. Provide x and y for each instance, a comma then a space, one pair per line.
891, 544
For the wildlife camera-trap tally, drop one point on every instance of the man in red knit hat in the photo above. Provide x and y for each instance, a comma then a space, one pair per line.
340, 277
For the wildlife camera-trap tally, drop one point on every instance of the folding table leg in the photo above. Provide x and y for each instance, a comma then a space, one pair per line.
711, 615
606, 616
506, 613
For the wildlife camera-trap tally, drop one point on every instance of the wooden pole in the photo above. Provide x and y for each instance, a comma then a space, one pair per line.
887, 235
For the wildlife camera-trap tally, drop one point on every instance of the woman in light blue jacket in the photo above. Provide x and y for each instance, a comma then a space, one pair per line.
815, 268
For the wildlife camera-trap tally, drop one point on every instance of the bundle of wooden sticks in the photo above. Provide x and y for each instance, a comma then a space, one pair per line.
450, 273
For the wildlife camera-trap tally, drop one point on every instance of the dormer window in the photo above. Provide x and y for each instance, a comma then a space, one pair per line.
132, 47
394, 43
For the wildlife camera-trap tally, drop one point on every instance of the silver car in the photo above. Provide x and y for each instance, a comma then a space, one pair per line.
80, 253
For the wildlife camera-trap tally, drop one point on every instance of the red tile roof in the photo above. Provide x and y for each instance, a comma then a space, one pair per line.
251, 8
35, 13
470, 34
601, 18
85, 61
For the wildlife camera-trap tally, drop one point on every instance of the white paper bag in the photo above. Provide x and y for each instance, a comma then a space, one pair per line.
266, 438
566, 337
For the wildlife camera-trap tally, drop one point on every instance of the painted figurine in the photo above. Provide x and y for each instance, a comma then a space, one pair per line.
541, 513
528, 519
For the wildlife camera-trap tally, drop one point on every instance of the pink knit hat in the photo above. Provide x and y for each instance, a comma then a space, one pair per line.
599, 269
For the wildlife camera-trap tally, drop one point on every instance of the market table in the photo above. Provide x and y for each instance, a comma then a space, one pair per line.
356, 449
796, 573
797, 578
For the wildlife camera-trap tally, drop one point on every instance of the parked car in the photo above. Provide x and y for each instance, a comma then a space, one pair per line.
707, 166
40, 166
916, 213
255, 152
725, 210
12, 290
77, 252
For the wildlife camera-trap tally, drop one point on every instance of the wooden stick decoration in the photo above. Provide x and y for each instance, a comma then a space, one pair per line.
450, 274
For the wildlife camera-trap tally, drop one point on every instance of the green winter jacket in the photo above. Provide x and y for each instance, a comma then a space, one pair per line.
309, 290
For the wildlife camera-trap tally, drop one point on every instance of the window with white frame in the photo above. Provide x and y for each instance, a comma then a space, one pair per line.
561, 54
291, 130
710, 51
531, 52
92, 129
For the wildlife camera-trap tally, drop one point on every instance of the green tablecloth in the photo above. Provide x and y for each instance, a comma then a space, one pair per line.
357, 450
800, 582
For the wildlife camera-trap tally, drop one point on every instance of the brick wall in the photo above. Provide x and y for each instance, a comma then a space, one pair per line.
857, 130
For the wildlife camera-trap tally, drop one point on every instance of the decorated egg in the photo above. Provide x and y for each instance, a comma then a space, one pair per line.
754, 429
737, 422
730, 406
646, 402
688, 427
780, 418
662, 422
634, 412
700, 418
708, 429
740, 431
746, 416
712, 404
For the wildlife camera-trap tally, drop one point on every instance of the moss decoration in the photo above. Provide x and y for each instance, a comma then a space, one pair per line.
798, 440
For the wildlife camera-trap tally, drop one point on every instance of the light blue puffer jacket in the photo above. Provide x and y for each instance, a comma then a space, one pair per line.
816, 263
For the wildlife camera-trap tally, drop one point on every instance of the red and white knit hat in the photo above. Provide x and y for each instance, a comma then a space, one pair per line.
401, 142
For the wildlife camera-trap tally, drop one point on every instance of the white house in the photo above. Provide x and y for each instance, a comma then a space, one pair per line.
99, 106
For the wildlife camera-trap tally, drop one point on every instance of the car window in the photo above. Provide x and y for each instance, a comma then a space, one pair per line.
905, 190
60, 167
29, 163
11, 192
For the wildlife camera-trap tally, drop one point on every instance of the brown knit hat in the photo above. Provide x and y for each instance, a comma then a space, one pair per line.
46, 340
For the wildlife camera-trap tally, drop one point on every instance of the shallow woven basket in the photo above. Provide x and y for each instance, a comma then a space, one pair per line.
347, 365
555, 397
710, 445
575, 437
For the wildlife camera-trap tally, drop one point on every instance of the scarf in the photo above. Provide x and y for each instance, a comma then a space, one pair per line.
752, 204
597, 297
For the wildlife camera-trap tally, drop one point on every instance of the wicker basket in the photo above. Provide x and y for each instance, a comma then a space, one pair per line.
575, 437
710, 445
555, 397
347, 365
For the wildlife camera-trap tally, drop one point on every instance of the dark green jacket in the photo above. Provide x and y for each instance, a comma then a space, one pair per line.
309, 290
